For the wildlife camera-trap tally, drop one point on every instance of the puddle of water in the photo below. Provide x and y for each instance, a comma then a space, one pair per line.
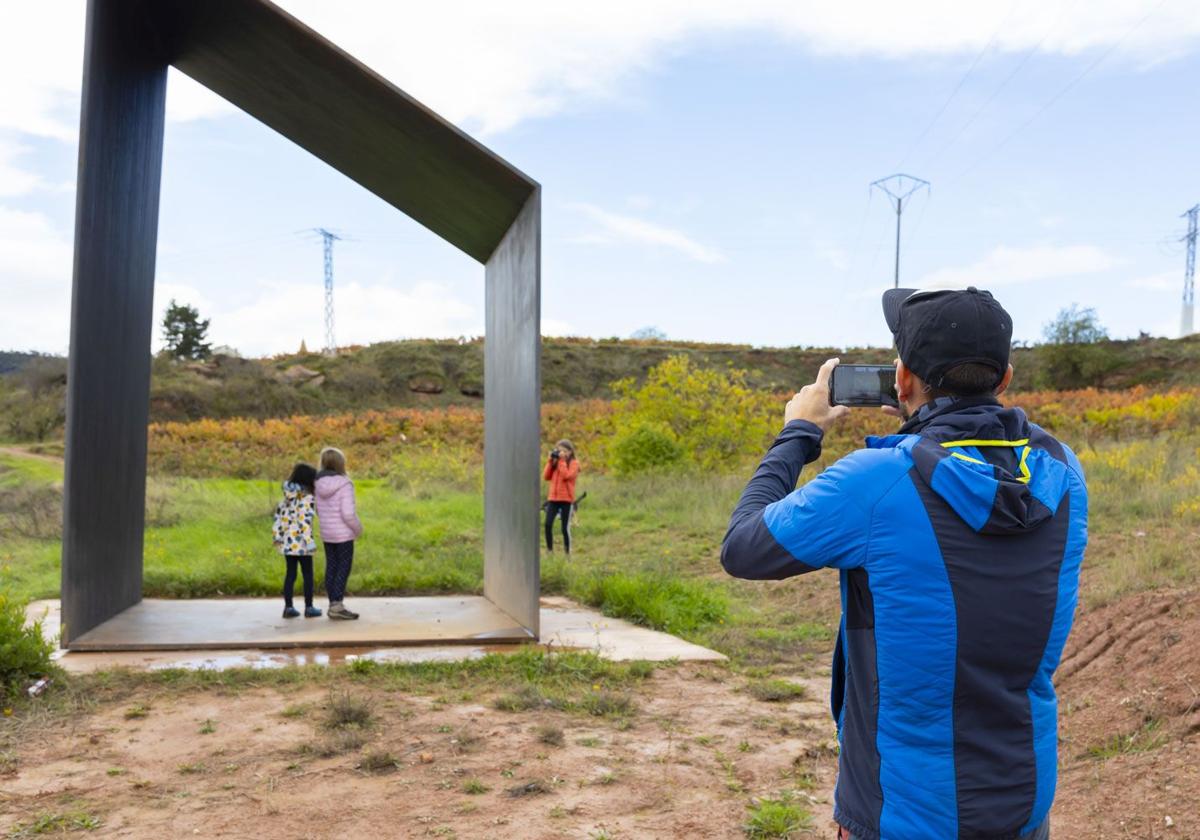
330, 656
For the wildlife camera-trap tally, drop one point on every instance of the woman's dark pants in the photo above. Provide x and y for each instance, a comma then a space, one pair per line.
289, 581
562, 509
339, 557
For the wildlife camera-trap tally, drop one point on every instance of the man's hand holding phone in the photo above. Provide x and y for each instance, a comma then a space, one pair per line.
811, 403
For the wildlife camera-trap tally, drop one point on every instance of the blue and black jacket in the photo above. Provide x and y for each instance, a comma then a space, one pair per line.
959, 543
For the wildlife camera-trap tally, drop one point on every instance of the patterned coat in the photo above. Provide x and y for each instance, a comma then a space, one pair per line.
293, 529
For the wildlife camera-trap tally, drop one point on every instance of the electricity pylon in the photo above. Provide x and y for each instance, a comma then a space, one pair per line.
898, 193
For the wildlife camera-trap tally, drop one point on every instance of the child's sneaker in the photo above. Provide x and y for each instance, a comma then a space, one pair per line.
290, 612
312, 612
339, 611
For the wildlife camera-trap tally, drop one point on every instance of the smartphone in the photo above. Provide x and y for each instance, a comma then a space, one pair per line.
863, 386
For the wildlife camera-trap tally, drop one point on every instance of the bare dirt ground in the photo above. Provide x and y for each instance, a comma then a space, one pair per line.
685, 764
1129, 706
695, 751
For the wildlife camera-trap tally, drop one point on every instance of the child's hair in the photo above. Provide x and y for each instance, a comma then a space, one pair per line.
333, 460
567, 445
304, 475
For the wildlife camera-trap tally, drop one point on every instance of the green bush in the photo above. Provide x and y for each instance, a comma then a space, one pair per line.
712, 416
1077, 352
643, 447
24, 652
670, 604
780, 818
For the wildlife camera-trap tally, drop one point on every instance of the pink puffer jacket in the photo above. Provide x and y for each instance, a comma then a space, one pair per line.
336, 517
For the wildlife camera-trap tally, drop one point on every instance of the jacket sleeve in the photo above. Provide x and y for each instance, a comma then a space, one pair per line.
549, 471
777, 531
572, 468
348, 512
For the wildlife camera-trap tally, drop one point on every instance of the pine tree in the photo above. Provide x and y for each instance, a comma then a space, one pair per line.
184, 332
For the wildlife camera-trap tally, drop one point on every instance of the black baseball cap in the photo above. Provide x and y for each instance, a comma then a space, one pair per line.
939, 329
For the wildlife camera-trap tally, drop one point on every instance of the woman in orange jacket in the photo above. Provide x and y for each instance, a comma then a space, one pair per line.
561, 470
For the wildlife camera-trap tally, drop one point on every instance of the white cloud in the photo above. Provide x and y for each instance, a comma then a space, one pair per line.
1005, 266
615, 227
489, 66
1161, 282
15, 181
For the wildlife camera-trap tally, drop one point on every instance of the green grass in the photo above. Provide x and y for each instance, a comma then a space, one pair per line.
1149, 737
776, 691
646, 547
776, 818
53, 823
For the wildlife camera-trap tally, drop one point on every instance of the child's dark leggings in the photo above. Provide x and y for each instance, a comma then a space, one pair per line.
339, 557
562, 509
289, 581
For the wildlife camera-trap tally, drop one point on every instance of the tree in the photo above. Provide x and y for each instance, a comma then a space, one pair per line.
648, 334
184, 332
1074, 354
1075, 325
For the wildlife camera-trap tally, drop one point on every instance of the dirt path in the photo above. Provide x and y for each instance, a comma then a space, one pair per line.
690, 760
18, 452
696, 751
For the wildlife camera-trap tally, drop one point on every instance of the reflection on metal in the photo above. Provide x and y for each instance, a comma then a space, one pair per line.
290, 78
511, 389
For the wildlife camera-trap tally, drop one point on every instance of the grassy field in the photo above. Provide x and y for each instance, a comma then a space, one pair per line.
646, 549
647, 546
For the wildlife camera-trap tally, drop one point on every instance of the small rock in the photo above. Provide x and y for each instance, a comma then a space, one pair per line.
426, 758
299, 373
1168, 821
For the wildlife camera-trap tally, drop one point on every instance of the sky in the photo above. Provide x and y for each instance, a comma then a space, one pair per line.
705, 169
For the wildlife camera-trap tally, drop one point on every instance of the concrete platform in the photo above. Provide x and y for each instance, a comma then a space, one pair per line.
565, 624
230, 624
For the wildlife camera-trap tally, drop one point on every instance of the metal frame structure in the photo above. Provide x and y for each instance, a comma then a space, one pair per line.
906, 185
290, 78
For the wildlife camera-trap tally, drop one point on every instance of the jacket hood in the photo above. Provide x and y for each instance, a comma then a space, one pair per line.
328, 483
988, 463
292, 490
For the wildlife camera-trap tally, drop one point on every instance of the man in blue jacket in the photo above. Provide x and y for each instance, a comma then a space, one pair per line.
958, 541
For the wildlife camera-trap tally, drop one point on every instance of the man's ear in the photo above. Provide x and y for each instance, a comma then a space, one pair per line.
904, 381
1004, 383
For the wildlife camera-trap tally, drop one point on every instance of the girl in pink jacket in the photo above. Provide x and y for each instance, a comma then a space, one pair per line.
339, 528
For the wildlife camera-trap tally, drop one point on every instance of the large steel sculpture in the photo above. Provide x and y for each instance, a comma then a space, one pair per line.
298, 83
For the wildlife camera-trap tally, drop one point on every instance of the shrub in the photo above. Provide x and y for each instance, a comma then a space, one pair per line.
348, 712
33, 511
670, 604
642, 447
712, 415
24, 651
776, 818
776, 691
1077, 352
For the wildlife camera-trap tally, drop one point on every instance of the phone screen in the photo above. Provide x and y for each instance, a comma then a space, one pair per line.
863, 385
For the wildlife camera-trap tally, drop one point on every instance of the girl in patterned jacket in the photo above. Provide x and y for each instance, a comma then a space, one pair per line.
293, 535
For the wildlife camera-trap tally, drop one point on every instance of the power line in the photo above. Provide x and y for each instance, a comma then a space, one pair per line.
958, 87
996, 92
1061, 93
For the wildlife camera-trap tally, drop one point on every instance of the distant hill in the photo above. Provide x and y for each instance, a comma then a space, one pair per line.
443, 373
12, 361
